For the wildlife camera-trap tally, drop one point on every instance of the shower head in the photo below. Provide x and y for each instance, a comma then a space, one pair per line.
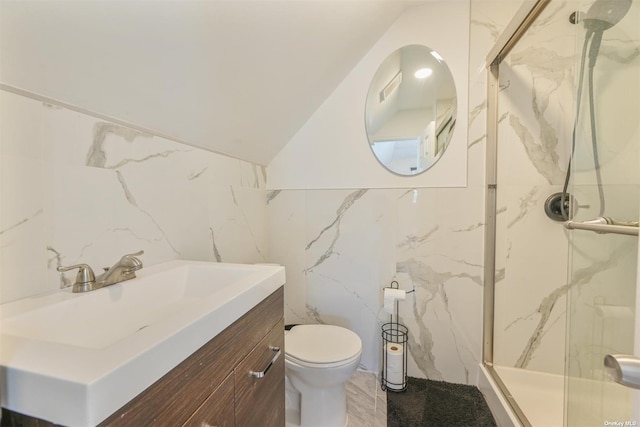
604, 14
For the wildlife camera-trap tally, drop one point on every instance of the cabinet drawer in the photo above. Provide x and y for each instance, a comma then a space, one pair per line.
218, 409
260, 401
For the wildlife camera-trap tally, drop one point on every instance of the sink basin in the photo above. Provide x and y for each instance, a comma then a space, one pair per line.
99, 319
74, 359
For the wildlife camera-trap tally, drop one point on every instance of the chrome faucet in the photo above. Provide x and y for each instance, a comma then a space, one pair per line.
124, 269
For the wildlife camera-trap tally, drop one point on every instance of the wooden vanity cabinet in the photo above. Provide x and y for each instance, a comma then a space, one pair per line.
244, 401
219, 408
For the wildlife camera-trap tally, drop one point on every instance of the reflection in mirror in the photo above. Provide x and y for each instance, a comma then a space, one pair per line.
411, 110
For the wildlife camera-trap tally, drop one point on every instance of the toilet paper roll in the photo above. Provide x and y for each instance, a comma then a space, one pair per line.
391, 296
395, 359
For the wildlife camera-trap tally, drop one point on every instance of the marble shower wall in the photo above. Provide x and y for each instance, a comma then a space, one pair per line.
604, 267
534, 134
76, 189
539, 262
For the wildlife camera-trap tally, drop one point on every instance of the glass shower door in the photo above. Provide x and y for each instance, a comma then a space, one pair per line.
601, 320
603, 273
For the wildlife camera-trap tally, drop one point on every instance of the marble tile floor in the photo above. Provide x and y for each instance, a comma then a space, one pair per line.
366, 402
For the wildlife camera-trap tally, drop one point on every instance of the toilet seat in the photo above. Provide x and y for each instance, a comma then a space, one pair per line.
320, 365
322, 346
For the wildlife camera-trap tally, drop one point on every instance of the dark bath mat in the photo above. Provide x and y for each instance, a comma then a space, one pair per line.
428, 403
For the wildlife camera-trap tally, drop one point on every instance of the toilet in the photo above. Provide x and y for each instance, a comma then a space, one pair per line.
319, 359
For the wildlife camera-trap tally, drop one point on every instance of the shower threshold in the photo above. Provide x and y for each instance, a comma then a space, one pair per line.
592, 403
539, 395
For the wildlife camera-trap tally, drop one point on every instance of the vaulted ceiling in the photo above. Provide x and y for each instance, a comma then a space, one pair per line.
233, 76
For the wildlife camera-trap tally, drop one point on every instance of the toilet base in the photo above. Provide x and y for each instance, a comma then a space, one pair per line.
326, 407
291, 404
293, 418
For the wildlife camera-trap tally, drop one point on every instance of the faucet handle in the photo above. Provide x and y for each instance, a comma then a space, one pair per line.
131, 258
85, 274
140, 252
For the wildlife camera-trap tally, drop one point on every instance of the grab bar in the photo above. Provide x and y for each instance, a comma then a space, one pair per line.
605, 225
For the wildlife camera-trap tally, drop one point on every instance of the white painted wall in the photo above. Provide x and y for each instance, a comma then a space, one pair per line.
231, 76
332, 151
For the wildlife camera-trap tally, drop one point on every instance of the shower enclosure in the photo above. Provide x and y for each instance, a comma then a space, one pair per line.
563, 139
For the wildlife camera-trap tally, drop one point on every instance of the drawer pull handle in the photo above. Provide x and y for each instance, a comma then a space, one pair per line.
261, 374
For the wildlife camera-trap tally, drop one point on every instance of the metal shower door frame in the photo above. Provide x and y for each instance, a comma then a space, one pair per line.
517, 27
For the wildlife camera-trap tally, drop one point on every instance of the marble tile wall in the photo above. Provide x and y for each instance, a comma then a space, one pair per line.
535, 107
604, 267
76, 189
341, 247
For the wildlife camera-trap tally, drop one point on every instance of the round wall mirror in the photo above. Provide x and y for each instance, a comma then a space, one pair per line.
411, 110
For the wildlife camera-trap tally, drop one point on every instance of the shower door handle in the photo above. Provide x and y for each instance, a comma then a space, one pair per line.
623, 369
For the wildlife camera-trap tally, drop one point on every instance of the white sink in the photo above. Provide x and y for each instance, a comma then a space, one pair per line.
74, 359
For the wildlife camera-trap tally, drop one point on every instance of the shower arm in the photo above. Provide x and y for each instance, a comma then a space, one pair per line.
605, 225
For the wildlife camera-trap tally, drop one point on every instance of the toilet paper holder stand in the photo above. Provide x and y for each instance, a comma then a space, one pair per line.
394, 351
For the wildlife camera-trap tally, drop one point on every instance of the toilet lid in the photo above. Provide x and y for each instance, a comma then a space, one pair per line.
321, 344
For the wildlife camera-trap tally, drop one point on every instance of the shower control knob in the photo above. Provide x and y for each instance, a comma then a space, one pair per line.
554, 209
